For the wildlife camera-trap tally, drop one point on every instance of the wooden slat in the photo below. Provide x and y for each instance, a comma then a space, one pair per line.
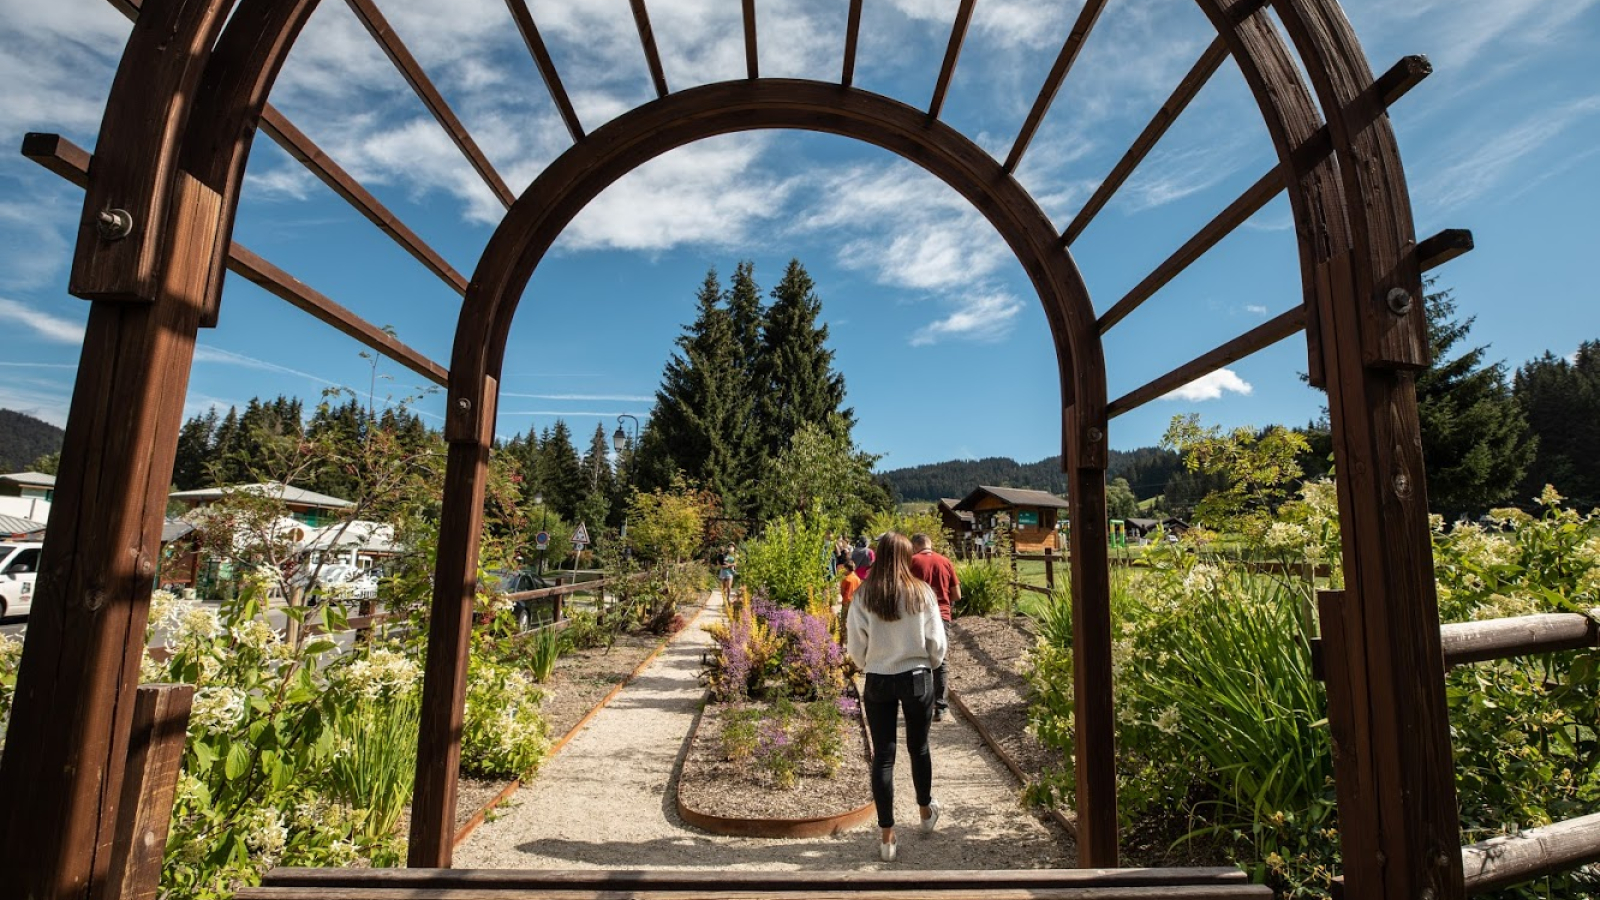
1237, 213
407, 65
155, 757
852, 35
1435, 251
547, 66
647, 37
1171, 892
958, 35
276, 125
1395, 83
70, 161
1185, 92
1052, 82
294, 142
1512, 859
688, 880
286, 287
1264, 335
751, 60
1470, 642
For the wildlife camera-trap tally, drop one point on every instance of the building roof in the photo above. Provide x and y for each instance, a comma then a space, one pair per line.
13, 527
1013, 497
286, 493
30, 479
948, 504
361, 534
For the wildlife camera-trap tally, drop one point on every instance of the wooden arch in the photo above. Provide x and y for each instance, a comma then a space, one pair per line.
162, 193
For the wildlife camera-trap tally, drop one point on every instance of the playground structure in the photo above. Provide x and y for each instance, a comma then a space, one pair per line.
84, 776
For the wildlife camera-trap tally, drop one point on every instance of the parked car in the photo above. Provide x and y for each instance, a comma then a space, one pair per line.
341, 580
515, 582
19, 570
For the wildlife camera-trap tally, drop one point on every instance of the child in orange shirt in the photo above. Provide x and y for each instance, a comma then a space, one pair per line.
848, 582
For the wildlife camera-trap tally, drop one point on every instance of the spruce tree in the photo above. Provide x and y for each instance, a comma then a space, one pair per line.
1561, 400
1475, 441
794, 377
745, 440
699, 405
561, 473
225, 467
195, 449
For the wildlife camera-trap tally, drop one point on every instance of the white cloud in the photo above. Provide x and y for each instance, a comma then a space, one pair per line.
214, 355
1488, 164
982, 317
46, 325
710, 193
1256, 309
1212, 387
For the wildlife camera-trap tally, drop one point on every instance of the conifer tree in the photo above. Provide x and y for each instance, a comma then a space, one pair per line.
226, 448
561, 472
195, 447
698, 406
794, 378
1475, 441
746, 447
1561, 399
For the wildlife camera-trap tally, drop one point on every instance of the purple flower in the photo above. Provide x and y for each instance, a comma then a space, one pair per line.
848, 707
772, 738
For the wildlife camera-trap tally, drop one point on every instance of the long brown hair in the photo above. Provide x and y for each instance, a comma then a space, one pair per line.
891, 588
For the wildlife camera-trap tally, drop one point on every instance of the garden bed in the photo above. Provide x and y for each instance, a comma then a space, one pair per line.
745, 798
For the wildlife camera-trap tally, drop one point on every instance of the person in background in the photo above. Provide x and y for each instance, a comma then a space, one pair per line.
841, 553
729, 566
848, 582
863, 557
895, 636
940, 574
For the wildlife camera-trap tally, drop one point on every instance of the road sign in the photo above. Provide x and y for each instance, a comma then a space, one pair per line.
542, 539
580, 538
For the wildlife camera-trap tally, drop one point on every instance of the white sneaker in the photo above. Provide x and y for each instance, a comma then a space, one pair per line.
932, 821
887, 851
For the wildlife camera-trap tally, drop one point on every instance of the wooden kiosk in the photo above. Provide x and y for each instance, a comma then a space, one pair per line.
81, 777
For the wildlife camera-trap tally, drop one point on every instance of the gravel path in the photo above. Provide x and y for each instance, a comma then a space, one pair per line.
606, 801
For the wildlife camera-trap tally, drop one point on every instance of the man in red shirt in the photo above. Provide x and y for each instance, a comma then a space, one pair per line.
940, 574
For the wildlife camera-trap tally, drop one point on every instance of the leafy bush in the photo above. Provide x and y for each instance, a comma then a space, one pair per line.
544, 648
789, 562
783, 737
985, 588
503, 733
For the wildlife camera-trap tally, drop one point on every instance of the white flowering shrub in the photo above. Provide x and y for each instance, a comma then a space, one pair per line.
503, 732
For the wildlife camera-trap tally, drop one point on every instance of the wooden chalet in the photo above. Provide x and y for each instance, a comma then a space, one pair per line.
91, 761
1031, 517
959, 523
306, 507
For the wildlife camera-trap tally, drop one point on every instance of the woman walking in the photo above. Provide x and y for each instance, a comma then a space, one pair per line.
896, 637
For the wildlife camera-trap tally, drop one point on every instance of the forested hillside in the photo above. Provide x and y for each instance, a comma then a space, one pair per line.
1147, 470
24, 439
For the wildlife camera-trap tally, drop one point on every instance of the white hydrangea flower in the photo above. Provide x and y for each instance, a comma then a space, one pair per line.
265, 832
217, 708
1169, 720
254, 634
198, 624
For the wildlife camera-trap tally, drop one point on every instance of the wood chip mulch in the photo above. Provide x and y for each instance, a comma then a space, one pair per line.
713, 785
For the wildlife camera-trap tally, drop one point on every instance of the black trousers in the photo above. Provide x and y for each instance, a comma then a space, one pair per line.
941, 678
886, 696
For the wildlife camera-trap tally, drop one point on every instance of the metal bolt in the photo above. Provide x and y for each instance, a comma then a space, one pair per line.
1382, 857
463, 404
114, 224
1427, 894
1399, 301
1440, 858
1402, 485
1095, 434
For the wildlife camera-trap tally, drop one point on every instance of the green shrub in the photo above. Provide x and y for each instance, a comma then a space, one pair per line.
985, 588
789, 562
375, 760
502, 734
544, 648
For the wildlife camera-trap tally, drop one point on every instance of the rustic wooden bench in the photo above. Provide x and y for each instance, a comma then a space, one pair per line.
494, 884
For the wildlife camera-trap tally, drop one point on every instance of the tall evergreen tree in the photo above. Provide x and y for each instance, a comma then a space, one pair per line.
1561, 400
794, 378
561, 472
225, 466
1475, 440
745, 441
597, 460
196, 443
699, 406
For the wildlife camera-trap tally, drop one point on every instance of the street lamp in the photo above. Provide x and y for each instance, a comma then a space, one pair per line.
544, 529
619, 440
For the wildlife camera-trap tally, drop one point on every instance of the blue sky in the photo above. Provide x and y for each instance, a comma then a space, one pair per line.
939, 336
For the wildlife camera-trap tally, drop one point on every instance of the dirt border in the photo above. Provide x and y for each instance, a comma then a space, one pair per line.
1054, 815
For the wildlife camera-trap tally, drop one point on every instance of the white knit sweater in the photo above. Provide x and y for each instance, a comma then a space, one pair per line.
889, 648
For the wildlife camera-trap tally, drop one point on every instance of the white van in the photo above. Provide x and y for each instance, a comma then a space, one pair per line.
19, 569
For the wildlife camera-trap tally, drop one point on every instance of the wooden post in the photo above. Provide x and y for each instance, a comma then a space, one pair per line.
155, 757
1094, 738
455, 584
1049, 570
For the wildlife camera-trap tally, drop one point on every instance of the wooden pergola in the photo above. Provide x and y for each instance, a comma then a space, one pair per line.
162, 188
